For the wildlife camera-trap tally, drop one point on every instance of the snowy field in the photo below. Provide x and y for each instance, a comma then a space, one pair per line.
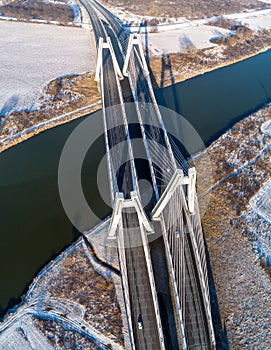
183, 39
24, 335
177, 35
33, 54
19, 330
255, 20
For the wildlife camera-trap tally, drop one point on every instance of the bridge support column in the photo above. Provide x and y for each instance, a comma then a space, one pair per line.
178, 179
191, 189
121, 203
99, 60
135, 40
116, 216
107, 45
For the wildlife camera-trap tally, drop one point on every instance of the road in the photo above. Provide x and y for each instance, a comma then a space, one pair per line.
139, 285
196, 327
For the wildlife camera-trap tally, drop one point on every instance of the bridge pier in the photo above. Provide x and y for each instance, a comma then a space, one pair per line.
120, 204
177, 180
135, 40
99, 66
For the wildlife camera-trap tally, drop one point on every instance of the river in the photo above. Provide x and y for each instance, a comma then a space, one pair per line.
34, 226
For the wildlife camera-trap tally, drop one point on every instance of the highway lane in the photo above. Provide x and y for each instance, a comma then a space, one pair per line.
196, 327
139, 285
188, 287
121, 33
98, 29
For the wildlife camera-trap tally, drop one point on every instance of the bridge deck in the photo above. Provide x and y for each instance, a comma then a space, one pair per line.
139, 285
141, 299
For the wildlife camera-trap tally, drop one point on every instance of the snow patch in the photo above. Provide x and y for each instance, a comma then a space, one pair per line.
76, 12
261, 202
255, 20
266, 127
184, 39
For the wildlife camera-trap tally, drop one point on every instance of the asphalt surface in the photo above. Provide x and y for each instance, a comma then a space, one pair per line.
196, 327
139, 286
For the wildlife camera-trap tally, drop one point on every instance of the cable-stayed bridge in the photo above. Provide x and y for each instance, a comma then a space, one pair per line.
173, 212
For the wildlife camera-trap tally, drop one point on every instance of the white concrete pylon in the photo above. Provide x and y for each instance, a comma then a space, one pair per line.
107, 45
99, 60
114, 58
135, 40
121, 203
177, 179
116, 216
142, 217
192, 175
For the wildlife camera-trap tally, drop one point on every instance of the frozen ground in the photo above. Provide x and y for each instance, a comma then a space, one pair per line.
258, 215
184, 39
255, 20
236, 236
24, 335
179, 33
33, 54
78, 293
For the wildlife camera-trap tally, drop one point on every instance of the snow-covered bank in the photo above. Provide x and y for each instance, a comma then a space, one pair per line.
174, 34
184, 39
237, 237
24, 135
255, 20
266, 128
76, 12
34, 54
72, 292
258, 219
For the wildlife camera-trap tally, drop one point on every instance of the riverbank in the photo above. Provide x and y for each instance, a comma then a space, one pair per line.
175, 68
37, 129
72, 303
71, 97
240, 161
63, 100
61, 13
